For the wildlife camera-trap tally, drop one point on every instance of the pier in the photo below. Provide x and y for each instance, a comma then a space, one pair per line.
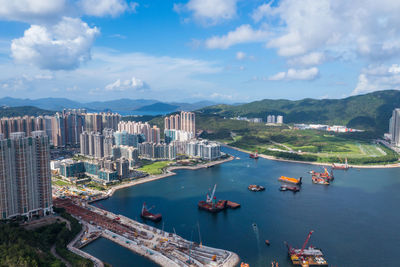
165, 249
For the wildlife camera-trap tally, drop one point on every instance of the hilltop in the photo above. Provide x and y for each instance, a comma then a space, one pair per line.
368, 112
22, 111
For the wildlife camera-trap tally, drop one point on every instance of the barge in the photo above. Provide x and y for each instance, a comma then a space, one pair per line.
290, 180
306, 256
147, 215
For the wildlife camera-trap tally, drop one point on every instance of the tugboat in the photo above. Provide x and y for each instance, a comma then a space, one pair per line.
256, 188
310, 256
146, 214
254, 156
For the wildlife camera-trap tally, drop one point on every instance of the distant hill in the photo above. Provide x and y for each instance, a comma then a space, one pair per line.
369, 112
161, 107
119, 105
22, 111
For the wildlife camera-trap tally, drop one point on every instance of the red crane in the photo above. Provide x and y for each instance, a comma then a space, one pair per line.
305, 243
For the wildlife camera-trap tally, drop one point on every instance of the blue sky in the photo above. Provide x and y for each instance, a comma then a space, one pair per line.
189, 50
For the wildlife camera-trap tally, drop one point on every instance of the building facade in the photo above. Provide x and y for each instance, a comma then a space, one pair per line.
25, 176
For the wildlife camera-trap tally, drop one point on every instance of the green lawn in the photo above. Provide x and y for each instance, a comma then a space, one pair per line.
60, 182
155, 167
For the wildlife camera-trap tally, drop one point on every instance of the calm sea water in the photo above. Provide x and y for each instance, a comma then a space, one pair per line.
355, 219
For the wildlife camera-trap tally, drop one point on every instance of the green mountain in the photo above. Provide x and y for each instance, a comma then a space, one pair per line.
159, 106
22, 111
369, 112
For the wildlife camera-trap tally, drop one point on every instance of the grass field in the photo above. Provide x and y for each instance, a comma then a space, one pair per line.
155, 168
312, 145
60, 182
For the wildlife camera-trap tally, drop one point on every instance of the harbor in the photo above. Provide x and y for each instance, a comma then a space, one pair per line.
275, 213
163, 248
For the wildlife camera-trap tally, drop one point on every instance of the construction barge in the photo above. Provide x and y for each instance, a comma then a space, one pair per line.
323, 178
147, 215
290, 180
212, 205
310, 256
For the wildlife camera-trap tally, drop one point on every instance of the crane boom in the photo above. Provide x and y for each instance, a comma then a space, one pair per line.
305, 242
213, 192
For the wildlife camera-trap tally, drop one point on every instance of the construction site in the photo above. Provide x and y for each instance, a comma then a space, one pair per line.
165, 249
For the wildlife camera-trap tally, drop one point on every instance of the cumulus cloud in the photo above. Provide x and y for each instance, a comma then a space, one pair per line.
380, 77
369, 29
261, 12
49, 11
311, 59
133, 83
242, 34
31, 10
102, 8
209, 12
64, 45
296, 74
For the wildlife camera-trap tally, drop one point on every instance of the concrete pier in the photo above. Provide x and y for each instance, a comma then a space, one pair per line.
165, 249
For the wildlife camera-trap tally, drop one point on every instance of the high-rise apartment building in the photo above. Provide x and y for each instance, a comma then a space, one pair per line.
25, 177
150, 134
185, 121
394, 127
97, 122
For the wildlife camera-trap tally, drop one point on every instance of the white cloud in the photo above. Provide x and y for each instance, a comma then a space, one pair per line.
102, 8
240, 55
395, 69
31, 10
62, 46
209, 12
261, 12
221, 96
375, 78
314, 58
134, 83
369, 29
296, 74
242, 34
133, 6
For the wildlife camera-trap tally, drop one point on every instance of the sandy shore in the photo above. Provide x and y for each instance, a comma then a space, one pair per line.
168, 173
395, 165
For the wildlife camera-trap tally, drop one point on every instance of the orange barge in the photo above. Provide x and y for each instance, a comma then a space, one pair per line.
290, 180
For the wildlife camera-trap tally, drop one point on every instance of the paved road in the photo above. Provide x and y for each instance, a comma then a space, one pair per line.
53, 251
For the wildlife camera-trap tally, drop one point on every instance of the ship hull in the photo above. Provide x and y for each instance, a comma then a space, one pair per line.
150, 216
213, 208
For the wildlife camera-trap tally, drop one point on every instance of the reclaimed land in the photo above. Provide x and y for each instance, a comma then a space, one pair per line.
285, 142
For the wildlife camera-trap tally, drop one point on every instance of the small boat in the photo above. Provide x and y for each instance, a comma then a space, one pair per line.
254, 156
289, 188
256, 188
267, 242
